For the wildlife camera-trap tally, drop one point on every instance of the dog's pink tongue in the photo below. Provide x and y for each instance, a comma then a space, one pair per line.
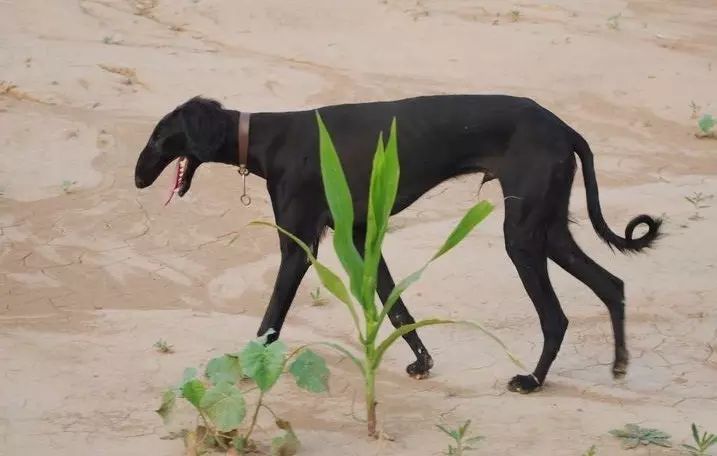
174, 185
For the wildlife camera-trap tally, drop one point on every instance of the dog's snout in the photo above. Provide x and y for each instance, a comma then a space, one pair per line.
139, 182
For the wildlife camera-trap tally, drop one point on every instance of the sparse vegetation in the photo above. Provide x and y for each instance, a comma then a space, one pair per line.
698, 199
706, 125
634, 436
222, 407
613, 22
460, 438
112, 39
702, 442
515, 15
316, 298
129, 74
6, 87
592, 451
163, 347
144, 7
67, 186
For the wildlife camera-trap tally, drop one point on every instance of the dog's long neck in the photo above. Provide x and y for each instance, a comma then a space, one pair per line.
265, 133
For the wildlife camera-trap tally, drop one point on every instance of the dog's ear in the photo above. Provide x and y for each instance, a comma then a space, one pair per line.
205, 126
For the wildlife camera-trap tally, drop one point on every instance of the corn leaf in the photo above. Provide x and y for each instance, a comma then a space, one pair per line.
473, 217
382, 195
402, 330
338, 197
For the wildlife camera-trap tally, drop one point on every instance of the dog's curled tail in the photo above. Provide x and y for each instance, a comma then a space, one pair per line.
626, 244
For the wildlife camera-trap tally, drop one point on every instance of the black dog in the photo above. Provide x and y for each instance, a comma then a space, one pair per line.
526, 147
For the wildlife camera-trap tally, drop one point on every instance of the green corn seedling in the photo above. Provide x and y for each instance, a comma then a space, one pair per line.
460, 438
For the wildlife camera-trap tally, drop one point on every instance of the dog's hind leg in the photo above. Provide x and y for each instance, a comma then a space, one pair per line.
399, 314
528, 188
566, 253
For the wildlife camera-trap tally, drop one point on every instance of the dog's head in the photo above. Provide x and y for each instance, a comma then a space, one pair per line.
192, 134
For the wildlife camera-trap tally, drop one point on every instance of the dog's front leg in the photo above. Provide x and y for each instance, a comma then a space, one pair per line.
306, 223
294, 265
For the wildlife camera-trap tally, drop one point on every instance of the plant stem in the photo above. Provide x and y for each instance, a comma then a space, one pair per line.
210, 428
256, 414
270, 411
371, 400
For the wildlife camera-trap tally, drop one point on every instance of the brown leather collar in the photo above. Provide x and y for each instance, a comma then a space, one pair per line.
244, 118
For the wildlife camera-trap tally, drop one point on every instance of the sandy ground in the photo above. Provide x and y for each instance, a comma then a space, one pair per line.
93, 272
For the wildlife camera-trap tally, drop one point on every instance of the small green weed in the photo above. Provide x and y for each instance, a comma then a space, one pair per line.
697, 199
67, 186
706, 125
460, 438
702, 443
111, 39
613, 22
163, 347
633, 436
515, 15
592, 451
316, 299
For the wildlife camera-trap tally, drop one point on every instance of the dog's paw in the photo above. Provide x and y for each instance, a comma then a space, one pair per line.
523, 384
420, 369
619, 367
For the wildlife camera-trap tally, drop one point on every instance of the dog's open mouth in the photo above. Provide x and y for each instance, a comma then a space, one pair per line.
182, 178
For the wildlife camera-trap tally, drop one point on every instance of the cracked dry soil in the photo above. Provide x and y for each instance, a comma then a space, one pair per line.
93, 272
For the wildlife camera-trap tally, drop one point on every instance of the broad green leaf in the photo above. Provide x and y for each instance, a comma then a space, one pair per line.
224, 406
328, 278
224, 368
169, 398
263, 363
286, 445
706, 123
193, 391
338, 197
239, 443
310, 372
473, 217
401, 330
188, 374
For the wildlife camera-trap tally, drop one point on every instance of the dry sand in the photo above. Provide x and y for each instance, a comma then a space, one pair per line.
93, 272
